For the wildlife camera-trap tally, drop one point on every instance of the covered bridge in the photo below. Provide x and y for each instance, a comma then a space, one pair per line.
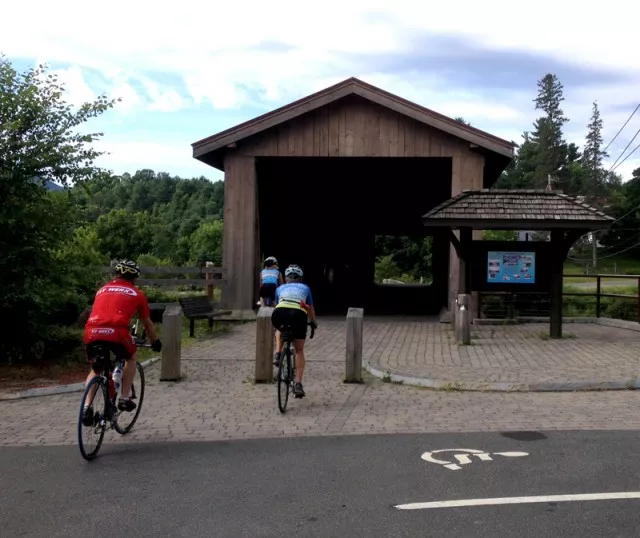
314, 182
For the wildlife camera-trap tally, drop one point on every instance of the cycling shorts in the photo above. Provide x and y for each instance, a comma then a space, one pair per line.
268, 291
122, 342
292, 319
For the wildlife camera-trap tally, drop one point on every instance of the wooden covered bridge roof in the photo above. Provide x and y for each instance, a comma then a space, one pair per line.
211, 150
516, 209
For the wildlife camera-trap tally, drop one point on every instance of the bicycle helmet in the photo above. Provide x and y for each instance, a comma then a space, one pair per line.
293, 271
270, 261
127, 268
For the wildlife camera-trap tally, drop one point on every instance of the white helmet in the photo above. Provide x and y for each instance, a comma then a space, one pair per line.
293, 270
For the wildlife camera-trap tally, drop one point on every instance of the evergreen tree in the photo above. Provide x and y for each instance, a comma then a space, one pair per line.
593, 155
551, 154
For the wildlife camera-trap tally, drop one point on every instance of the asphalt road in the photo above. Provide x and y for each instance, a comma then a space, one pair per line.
323, 486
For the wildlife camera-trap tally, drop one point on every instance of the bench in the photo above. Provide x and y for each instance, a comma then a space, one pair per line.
200, 308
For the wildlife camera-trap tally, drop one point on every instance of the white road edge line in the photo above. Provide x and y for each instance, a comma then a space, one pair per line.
521, 500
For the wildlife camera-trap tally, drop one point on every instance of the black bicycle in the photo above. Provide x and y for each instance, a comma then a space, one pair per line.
287, 368
101, 395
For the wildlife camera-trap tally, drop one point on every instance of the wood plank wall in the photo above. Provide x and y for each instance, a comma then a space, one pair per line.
349, 128
239, 244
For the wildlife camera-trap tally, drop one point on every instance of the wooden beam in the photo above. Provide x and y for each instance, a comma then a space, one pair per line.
453, 239
464, 274
558, 253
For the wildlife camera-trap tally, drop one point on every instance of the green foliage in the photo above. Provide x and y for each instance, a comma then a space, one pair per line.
499, 235
206, 243
404, 258
127, 234
40, 141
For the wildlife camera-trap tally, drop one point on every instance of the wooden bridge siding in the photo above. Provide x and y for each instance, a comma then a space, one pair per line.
239, 244
347, 129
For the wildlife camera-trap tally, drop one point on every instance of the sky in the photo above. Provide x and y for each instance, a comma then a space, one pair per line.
187, 71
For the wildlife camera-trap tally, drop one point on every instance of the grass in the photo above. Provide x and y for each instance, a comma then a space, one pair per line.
615, 290
608, 266
202, 332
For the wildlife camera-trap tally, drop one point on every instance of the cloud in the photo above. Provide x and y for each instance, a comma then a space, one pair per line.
126, 153
459, 58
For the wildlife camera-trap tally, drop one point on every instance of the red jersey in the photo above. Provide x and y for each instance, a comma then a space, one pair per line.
116, 303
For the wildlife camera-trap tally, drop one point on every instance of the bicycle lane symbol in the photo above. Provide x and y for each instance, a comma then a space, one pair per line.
463, 457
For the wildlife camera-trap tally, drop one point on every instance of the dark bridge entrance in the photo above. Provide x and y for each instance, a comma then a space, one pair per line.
315, 181
324, 215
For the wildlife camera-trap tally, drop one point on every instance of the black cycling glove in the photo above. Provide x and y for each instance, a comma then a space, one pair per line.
157, 346
313, 325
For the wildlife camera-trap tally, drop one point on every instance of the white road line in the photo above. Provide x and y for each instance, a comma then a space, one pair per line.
521, 500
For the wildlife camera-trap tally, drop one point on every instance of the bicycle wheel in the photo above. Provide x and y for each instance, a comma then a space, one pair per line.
125, 421
94, 432
284, 373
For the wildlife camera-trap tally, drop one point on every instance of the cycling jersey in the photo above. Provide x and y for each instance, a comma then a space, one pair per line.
294, 295
116, 303
269, 276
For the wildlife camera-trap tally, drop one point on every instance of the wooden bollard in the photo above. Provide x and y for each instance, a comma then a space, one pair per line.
264, 345
463, 320
171, 343
208, 275
353, 359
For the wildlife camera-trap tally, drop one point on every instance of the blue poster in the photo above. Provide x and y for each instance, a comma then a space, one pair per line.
511, 267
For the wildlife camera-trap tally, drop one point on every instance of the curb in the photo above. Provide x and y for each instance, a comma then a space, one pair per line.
59, 389
440, 384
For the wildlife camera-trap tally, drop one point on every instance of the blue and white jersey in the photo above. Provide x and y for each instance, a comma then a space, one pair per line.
269, 276
294, 295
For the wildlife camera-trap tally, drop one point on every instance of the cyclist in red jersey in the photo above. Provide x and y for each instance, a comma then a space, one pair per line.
115, 305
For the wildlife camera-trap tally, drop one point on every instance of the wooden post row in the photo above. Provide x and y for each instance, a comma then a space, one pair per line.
353, 359
264, 345
171, 343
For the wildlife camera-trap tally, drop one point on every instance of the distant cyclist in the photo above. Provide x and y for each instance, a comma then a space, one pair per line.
294, 304
115, 305
270, 279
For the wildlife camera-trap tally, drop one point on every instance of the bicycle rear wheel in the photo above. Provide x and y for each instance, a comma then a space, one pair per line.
125, 421
95, 431
284, 378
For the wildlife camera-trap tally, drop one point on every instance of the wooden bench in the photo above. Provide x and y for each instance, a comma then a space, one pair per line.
200, 307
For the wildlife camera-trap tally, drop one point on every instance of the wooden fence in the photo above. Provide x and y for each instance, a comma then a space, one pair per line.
209, 276
537, 304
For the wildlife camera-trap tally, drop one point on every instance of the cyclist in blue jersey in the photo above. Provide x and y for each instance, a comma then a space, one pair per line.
270, 279
294, 304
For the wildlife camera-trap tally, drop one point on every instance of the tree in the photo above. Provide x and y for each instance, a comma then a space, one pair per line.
40, 141
124, 234
206, 243
625, 206
593, 155
551, 151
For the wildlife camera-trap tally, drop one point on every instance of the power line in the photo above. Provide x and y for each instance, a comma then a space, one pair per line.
609, 255
613, 166
632, 152
621, 128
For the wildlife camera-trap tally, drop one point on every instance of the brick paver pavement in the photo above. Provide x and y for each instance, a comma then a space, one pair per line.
217, 400
516, 355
